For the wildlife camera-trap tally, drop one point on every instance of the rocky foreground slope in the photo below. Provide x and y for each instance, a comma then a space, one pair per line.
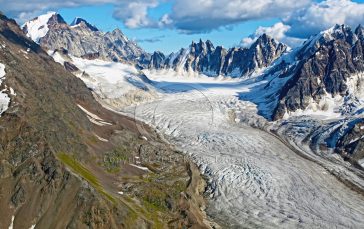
66, 162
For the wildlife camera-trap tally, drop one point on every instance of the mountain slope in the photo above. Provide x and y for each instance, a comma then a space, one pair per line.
316, 93
82, 39
326, 64
66, 162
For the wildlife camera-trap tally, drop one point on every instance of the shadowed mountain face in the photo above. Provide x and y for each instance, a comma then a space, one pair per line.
203, 57
66, 162
323, 67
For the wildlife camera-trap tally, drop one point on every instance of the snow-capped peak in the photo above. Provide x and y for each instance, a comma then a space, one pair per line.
38, 27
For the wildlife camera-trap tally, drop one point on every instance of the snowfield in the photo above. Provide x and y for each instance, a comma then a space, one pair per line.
36, 29
115, 84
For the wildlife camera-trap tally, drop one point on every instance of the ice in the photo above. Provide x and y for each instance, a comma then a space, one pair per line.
254, 179
38, 28
12, 222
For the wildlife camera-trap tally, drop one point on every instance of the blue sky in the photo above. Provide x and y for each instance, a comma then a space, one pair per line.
168, 25
169, 40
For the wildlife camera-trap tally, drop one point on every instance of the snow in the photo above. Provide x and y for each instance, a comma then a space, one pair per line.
116, 84
12, 222
4, 97
94, 118
57, 57
253, 178
327, 108
38, 27
101, 139
140, 167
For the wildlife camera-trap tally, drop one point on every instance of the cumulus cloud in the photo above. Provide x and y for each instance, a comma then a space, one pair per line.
134, 14
205, 15
299, 19
24, 10
320, 16
302, 23
277, 31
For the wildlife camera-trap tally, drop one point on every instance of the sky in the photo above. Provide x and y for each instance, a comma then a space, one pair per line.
168, 25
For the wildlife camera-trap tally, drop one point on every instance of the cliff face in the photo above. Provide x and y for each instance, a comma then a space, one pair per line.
66, 162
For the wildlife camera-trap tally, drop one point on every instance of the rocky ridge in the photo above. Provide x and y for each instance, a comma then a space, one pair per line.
81, 38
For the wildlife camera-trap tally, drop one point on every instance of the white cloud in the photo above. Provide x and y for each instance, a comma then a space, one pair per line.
321, 16
134, 14
205, 15
23, 10
277, 31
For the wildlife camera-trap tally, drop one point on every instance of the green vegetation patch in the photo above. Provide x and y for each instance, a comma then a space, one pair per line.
86, 174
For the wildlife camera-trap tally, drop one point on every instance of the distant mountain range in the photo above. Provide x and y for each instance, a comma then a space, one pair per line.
82, 39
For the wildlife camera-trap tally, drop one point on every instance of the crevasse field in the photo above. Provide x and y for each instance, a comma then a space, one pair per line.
254, 178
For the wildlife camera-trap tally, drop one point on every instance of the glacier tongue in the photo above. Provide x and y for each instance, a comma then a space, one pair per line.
254, 179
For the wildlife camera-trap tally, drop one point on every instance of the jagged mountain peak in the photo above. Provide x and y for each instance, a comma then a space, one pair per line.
82, 22
324, 67
202, 47
359, 31
38, 27
326, 37
203, 57
265, 40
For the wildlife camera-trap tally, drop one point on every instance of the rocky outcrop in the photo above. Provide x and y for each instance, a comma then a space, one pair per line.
203, 57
